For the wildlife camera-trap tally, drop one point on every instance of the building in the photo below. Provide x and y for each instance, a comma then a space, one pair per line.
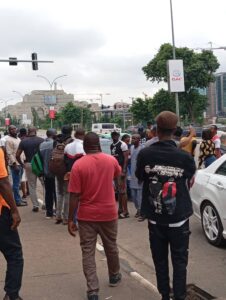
38, 101
220, 94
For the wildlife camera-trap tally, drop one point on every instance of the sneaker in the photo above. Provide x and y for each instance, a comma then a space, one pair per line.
35, 209
93, 297
7, 297
121, 216
115, 280
21, 203
126, 215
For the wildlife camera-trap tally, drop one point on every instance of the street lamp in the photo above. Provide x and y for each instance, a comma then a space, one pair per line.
174, 57
49, 82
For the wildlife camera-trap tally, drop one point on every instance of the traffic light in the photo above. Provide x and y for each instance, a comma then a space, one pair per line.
12, 61
34, 58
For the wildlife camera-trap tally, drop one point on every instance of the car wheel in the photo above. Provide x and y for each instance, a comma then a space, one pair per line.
211, 224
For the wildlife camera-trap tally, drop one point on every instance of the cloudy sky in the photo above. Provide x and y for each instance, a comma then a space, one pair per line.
101, 45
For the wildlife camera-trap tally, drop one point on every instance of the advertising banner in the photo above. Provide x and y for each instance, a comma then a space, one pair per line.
7, 121
176, 75
52, 112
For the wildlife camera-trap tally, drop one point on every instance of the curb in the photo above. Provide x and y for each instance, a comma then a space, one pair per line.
131, 272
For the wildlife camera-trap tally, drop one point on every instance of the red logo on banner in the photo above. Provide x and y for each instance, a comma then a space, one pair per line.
7, 121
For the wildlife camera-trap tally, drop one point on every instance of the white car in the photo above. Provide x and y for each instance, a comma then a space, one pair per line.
208, 195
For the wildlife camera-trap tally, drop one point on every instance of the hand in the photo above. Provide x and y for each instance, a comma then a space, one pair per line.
72, 228
123, 174
16, 220
67, 176
16, 168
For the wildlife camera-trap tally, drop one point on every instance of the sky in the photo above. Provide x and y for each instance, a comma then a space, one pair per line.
101, 45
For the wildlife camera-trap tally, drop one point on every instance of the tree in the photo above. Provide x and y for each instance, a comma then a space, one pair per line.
162, 100
141, 110
199, 71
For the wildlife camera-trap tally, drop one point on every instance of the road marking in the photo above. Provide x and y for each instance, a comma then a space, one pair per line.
143, 281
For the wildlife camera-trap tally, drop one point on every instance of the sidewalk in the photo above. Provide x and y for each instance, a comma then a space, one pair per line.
53, 265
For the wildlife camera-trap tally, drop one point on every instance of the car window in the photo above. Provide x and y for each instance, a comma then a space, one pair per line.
222, 169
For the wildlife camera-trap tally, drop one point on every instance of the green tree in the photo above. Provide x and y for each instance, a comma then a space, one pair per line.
141, 110
199, 71
162, 100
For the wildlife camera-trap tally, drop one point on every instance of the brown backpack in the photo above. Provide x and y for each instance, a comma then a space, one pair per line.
56, 163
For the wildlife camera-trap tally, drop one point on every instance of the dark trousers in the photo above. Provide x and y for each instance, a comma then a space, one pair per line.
161, 237
11, 248
50, 195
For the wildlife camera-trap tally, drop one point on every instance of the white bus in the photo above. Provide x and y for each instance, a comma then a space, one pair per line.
103, 128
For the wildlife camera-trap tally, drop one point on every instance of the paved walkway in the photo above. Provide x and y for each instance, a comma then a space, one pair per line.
53, 268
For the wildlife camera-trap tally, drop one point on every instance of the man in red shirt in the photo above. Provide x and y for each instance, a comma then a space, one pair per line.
92, 200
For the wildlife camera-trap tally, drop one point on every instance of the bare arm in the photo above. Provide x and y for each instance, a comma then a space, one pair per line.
73, 206
217, 152
18, 154
187, 139
6, 193
126, 156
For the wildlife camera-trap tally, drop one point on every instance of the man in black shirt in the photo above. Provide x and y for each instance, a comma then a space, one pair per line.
120, 151
166, 172
30, 146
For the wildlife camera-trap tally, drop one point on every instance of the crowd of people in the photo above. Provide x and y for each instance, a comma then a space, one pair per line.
81, 185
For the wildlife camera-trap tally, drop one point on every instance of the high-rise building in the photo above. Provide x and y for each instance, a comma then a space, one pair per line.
220, 94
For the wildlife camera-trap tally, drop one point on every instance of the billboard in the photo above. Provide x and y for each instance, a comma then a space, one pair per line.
49, 100
176, 75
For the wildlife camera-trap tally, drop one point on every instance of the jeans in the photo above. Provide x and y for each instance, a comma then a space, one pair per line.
50, 195
88, 232
161, 237
16, 177
11, 248
62, 199
136, 195
32, 184
209, 160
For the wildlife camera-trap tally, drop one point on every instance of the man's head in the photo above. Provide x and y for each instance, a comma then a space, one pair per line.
153, 132
213, 130
149, 125
32, 131
135, 140
178, 133
12, 130
66, 129
23, 132
115, 136
206, 134
126, 138
51, 133
91, 143
80, 133
166, 124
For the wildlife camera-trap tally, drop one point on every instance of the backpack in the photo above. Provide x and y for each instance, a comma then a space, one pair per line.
57, 165
37, 165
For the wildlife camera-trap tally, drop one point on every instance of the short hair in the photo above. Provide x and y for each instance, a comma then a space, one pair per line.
125, 136
51, 132
178, 132
114, 134
214, 126
66, 129
23, 131
206, 134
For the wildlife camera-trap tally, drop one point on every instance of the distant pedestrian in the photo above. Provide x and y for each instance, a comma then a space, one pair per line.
119, 150
24, 184
30, 146
46, 149
153, 137
207, 149
135, 185
62, 139
216, 140
166, 172
74, 150
11, 146
92, 197
10, 244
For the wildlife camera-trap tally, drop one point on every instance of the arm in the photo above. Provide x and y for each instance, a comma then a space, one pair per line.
6, 193
139, 168
126, 156
73, 206
217, 152
188, 139
18, 154
9, 151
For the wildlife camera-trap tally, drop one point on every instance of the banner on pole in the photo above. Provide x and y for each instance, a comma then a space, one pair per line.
7, 121
175, 75
52, 112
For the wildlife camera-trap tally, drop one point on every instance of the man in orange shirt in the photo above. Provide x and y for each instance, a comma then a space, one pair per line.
10, 245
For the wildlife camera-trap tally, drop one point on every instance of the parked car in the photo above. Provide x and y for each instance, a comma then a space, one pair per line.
208, 195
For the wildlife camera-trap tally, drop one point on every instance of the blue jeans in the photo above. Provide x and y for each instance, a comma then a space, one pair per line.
136, 195
16, 176
209, 160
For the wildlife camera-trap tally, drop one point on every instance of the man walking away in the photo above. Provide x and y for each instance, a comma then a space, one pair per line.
49, 179
16, 169
91, 188
30, 147
62, 185
166, 172
10, 245
24, 184
119, 150
135, 185
74, 150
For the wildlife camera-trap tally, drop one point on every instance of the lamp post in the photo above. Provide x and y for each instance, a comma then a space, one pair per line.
51, 82
174, 57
